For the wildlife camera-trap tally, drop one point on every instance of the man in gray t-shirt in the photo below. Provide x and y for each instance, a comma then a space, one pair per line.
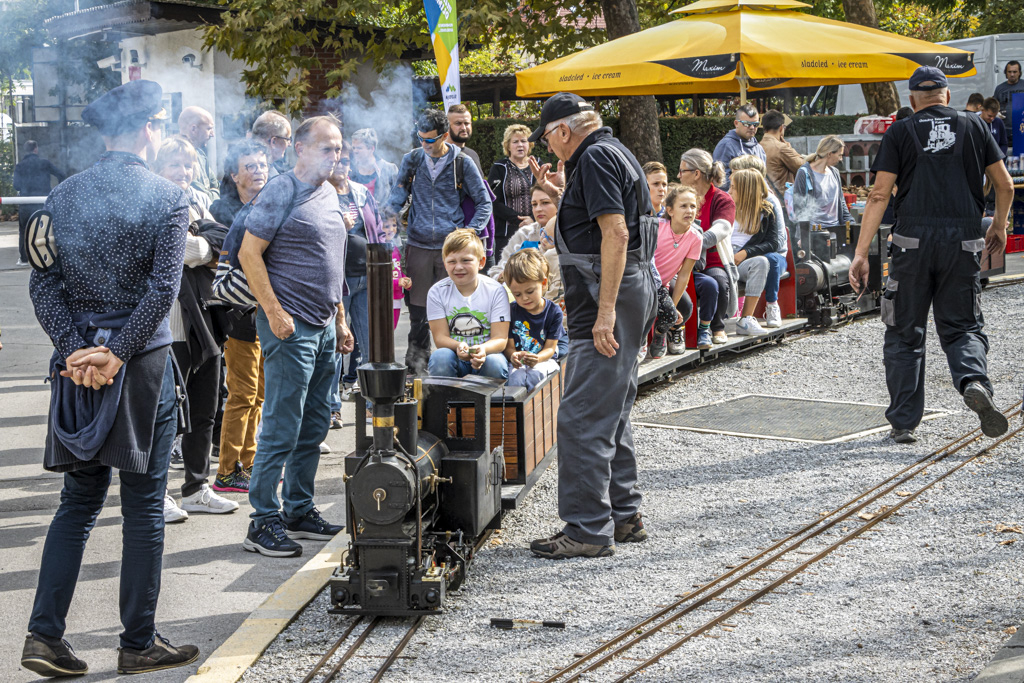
293, 255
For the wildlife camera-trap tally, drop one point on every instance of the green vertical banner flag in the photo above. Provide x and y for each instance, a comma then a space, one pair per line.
444, 36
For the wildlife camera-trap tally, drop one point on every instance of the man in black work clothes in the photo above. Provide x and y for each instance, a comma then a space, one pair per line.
938, 159
32, 179
116, 248
604, 250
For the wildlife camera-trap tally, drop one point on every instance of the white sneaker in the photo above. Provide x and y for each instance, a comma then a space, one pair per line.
772, 315
205, 500
324, 448
748, 327
173, 513
643, 353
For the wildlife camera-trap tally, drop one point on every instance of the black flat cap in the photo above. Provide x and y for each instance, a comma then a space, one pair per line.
126, 108
927, 78
559, 106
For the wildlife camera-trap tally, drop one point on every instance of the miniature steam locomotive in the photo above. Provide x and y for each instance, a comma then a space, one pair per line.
425, 487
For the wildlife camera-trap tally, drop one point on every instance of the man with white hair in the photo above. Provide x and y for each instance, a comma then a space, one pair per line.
938, 159
196, 124
274, 131
606, 238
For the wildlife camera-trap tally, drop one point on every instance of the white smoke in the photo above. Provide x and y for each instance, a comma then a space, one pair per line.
387, 102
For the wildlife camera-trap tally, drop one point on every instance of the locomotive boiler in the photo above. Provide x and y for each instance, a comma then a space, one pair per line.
419, 495
824, 293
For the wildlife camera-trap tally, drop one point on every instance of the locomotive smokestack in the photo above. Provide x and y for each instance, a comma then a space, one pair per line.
380, 299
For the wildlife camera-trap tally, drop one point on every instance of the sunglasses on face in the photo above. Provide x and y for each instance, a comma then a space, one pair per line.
749, 124
428, 141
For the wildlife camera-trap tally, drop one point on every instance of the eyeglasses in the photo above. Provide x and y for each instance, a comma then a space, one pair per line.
749, 124
286, 141
547, 132
685, 170
252, 168
428, 141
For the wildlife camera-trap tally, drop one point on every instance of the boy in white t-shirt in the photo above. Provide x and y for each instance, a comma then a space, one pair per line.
468, 313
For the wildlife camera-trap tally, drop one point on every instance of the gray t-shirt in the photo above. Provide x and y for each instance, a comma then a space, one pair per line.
831, 194
306, 256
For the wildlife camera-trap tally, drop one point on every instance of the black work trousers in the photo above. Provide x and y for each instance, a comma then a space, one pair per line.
722, 307
202, 386
942, 276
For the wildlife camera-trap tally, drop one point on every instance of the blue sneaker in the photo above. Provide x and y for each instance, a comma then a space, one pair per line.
271, 540
311, 526
704, 338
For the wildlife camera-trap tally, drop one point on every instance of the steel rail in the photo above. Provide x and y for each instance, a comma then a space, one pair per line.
352, 650
397, 651
330, 653
811, 530
746, 602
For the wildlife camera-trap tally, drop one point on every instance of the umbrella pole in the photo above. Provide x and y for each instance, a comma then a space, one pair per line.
743, 80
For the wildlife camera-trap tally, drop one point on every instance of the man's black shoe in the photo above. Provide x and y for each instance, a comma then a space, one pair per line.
159, 656
51, 658
311, 526
979, 399
903, 436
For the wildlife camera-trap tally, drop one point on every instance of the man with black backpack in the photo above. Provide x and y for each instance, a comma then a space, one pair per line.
436, 182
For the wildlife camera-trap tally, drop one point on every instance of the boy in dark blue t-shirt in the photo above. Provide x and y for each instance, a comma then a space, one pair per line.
536, 337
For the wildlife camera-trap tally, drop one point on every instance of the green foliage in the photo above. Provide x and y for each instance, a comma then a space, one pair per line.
678, 134
1001, 16
7, 170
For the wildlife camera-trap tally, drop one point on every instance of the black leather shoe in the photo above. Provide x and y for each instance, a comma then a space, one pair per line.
903, 436
51, 658
979, 399
159, 656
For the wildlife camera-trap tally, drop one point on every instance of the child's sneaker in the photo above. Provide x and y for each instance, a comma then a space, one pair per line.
772, 315
703, 338
676, 343
642, 356
748, 327
659, 346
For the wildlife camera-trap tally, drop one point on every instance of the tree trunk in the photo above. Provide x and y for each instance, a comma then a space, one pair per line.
881, 98
638, 116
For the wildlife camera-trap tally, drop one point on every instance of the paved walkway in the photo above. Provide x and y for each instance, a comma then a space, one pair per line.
210, 585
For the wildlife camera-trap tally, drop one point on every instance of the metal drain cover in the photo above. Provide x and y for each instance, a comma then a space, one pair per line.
779, 417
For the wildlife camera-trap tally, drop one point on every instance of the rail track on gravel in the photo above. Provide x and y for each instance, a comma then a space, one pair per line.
746, 584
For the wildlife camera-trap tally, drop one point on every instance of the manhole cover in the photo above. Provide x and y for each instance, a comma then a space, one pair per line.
780, 417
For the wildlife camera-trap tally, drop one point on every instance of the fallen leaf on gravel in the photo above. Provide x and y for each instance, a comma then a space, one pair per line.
1015, 529
903, 494
868, 516
1010, 630
741, 500
1009, 541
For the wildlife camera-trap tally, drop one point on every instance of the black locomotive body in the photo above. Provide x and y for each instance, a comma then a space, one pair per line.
824, 293
423, 489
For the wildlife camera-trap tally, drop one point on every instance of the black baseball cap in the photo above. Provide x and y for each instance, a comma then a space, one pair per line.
924, 74
126, 108
559, 106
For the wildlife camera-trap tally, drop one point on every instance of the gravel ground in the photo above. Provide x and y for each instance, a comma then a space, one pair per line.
926, 598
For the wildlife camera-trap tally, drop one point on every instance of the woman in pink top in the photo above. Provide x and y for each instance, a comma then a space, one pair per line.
679, 248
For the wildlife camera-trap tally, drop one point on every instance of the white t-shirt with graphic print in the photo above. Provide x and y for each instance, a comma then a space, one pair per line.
469, 318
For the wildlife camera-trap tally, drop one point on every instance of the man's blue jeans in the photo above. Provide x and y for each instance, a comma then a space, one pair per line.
142, 528
355, 308
445, 363
296, 416
776, 267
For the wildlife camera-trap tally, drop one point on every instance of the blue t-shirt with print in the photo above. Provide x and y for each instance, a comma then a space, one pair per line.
530, 331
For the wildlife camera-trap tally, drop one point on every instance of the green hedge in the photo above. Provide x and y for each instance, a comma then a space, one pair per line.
678, 134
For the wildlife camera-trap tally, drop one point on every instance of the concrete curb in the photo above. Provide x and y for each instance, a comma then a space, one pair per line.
236, 654
1008, 664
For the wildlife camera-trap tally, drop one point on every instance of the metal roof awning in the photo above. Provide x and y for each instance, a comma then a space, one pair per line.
134, 18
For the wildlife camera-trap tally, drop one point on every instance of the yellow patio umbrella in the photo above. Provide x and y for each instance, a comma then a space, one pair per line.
729, 46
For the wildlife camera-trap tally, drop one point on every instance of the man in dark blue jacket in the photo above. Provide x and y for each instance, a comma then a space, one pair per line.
32, 179
430, 178
116, 244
